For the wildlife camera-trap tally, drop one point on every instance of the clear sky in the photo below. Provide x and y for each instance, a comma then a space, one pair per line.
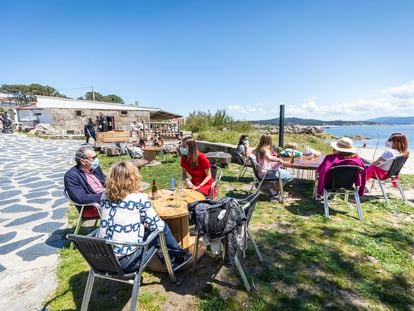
322, 59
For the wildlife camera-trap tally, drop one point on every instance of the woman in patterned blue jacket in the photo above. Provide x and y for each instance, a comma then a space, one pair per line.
128, 216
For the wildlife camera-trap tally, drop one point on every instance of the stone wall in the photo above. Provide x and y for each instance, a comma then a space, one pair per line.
67, 120
206, 146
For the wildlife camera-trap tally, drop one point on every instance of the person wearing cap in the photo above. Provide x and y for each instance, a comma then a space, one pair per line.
396, 145
344, 153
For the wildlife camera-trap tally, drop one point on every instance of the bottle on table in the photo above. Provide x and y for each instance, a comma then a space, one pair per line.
172, 184
154, 190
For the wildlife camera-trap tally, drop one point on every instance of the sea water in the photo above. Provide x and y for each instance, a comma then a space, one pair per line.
375, 134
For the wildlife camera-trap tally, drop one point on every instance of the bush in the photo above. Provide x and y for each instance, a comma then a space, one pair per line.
199, 121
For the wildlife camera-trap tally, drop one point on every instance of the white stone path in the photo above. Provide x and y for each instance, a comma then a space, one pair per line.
32, 217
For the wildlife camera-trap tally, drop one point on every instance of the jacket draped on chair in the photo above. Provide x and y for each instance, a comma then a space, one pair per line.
325, 177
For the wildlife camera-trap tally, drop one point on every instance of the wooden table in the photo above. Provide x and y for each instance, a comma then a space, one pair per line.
150, 153
171, 206
306, 163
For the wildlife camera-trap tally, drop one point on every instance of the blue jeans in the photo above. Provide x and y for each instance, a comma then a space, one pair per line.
284, 175
131, 262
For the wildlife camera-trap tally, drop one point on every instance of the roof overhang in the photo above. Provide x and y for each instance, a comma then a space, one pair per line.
161, 115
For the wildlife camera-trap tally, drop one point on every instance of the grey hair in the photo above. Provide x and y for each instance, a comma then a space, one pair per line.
81, 153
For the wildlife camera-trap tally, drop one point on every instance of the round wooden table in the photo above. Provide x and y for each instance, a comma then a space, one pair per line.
171, 206
150, 153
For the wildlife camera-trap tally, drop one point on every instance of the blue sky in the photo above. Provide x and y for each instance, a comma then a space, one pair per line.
322, 59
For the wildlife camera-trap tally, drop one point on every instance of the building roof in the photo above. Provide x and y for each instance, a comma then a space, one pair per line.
68, 103
161, 115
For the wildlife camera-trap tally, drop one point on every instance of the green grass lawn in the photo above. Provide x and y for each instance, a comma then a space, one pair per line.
310, 263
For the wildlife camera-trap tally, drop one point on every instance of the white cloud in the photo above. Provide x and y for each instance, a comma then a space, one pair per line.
255, 108
402, 91
396, 101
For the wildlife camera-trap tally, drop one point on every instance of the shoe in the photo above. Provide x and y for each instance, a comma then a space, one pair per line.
181, 261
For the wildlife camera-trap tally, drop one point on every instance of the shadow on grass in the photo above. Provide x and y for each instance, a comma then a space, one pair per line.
302, 272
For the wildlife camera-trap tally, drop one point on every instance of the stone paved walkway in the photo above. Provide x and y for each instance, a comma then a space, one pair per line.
32, 217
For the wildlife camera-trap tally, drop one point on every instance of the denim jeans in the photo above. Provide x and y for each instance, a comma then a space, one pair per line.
131, 262
284, 175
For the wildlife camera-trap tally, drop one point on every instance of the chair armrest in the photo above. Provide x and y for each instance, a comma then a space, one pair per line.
94, 233
154, 234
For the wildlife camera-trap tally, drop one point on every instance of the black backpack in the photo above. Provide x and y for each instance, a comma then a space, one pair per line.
211, 216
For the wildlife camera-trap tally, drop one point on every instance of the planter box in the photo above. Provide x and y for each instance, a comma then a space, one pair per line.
112, 136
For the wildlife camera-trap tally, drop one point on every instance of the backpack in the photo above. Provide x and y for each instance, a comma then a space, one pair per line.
212, 217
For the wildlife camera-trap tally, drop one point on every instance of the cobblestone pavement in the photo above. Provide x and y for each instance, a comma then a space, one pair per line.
32, 217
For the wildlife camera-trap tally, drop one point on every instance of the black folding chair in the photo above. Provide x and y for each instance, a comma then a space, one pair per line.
104, 264
84, 210
248, 204
216, 173
396, 166
261, 179
343, 181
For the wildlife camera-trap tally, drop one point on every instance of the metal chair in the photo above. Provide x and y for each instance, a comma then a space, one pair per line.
90, 211
99, 254
393, 173
261, 179
244, 162
216, 173
343, 181
248, 205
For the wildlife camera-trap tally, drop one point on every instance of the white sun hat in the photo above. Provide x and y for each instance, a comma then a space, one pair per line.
344, 144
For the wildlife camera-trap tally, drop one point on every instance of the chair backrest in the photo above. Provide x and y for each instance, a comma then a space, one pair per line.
249, 204
99, 255
255, 167
216, 172
396, 166
240, 159
344, 176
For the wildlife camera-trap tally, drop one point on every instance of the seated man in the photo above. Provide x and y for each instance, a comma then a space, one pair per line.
85, 182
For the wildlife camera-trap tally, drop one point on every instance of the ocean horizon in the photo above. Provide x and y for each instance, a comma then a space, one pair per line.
375, 135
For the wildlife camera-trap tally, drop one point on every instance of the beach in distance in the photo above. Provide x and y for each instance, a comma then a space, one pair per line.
376, 135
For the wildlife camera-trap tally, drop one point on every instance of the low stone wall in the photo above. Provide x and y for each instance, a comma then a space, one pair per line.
206, 146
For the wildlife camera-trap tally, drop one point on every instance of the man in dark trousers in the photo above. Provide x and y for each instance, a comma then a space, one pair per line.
104, 122
85, 182
89, 130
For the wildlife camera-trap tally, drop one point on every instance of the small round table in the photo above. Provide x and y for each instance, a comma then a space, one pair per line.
149, 155
171, 206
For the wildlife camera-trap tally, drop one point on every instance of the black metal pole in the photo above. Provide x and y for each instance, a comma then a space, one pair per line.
281, 125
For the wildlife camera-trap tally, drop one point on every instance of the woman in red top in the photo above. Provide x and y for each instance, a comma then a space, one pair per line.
196, 167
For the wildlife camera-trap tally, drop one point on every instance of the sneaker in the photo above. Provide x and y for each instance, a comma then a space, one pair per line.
181, 261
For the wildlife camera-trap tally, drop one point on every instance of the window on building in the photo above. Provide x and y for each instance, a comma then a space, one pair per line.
78, 113
124, 113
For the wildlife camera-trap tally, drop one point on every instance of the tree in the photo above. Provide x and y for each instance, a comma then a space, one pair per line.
111, 98
30, 90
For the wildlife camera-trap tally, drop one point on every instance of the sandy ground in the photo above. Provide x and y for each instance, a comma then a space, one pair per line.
370, 154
